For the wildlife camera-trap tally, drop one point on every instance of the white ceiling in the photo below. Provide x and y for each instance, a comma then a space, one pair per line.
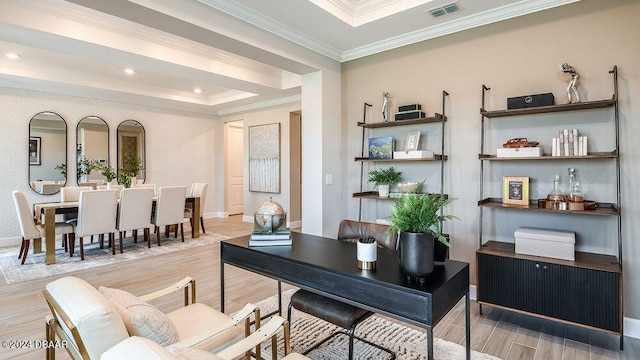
239, 52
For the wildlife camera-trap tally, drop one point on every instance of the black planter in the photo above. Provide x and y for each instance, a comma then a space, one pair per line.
416, 254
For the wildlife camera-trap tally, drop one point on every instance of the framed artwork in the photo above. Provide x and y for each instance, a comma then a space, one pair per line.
264, 158
515, 190
35, 148
381, 148
413, 138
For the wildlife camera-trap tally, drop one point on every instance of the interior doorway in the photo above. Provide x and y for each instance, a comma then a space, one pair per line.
234, 167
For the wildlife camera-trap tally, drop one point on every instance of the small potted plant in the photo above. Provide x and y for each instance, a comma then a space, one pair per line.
85, 167
132, 167
417, 218
63, 169
383, 179
108, 172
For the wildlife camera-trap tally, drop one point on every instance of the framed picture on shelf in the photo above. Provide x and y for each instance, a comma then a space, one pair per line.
381, 148
413, 138
515, 190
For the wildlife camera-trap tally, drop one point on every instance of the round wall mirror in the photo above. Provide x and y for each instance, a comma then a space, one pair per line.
131, 152
47, 153
92, 150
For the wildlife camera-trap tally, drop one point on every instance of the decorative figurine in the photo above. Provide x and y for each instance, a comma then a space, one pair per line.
566, 68
386, 106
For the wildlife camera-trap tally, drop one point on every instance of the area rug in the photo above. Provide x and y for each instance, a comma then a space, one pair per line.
34, 267
405, 342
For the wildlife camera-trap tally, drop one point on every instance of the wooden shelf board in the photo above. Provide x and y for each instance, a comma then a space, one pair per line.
585, 260
374, 195
596, 155
433, 119
602, 209
436, 157
550, 108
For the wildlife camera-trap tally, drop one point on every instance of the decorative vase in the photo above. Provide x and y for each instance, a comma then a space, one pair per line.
416, 254
383, 190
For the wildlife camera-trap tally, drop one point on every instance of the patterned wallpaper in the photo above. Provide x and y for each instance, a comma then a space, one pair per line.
179, 145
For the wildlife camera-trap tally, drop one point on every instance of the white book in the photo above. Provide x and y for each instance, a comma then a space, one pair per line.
576, 151
270, 242
554, 147
565, 132
580, 146
560, 143
585, 149
571, 142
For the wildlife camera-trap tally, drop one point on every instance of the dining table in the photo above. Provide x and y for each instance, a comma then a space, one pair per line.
51, 209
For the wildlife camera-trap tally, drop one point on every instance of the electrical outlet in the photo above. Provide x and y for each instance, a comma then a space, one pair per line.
328, 179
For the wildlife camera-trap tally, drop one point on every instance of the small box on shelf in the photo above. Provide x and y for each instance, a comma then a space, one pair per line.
519, 152
547, 243
414, 154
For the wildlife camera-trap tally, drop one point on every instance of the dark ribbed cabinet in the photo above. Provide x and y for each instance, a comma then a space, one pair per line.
586, 292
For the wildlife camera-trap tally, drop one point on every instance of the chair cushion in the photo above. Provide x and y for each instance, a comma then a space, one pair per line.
333, 311
138, 348
142, 318
352, 231
198, 318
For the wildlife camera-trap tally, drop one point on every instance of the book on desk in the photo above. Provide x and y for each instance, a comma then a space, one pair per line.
276, 238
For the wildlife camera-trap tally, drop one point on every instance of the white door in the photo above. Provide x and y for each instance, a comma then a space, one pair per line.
235, 171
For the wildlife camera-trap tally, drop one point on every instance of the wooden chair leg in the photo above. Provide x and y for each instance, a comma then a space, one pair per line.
181, 232
26, 251
72, 243
147, 237
158, 237
21, 249
166, 231
112, 243
121, 247
202, 225
65, 241
135, 236
101, 237
176, 231
81, 248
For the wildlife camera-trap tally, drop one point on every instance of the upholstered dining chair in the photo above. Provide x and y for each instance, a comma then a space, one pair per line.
170, 209
72, 193
199, 190
334, 311
96, 216
112, 187
30, 230
135, 213
147, 186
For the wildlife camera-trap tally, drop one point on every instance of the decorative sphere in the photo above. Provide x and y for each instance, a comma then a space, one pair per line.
270, 215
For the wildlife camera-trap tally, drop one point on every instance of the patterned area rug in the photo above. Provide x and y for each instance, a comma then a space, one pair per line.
34, 267
405, 342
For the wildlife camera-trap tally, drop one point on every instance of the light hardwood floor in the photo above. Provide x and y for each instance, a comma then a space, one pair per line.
501, 333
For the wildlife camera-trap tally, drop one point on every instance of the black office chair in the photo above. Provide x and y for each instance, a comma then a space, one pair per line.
336, 312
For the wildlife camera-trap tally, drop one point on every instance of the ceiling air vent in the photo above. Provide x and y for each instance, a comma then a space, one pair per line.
444, 9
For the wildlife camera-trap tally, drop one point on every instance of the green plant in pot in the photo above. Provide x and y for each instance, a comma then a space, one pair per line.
132, 167
108, 172
85, 167
383, 179
417, 218
63, 169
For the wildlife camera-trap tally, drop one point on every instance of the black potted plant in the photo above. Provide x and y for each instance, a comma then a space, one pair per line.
417, 217
383, 179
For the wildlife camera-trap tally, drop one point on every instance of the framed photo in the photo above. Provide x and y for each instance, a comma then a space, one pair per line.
264, 158
381, 148
413, 138
515, 190
35, 148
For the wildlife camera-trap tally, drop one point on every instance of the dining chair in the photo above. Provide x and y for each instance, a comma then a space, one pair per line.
170, 209
112, 187
199, 190
96, 215
72, 193
337, 312
135, 213
91, 185
30, 230
147, 186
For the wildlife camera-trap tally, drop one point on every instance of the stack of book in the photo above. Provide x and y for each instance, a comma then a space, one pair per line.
276, 238
569, 143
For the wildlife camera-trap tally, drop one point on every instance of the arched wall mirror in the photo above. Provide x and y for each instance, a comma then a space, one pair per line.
92, 149
131, 152
47, 153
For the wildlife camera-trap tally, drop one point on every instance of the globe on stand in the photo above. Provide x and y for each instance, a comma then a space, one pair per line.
270, 217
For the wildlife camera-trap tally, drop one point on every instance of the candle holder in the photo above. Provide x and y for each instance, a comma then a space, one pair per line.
367, 253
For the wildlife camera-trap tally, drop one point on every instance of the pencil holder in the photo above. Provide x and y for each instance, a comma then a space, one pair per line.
367, 254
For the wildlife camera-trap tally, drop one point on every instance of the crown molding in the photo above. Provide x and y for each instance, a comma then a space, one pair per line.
228, 96
260, 105
506, 12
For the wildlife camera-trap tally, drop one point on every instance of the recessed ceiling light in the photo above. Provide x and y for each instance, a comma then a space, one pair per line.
129, 71
197, 90
12, 56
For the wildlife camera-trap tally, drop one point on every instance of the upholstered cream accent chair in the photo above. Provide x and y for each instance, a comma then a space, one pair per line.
135, 213
96, 216
148, 186
199, 190
30, 230
93, 321
170, 209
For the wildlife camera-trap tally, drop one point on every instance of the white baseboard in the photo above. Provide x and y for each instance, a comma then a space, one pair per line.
631, 325
10, 241
216, 214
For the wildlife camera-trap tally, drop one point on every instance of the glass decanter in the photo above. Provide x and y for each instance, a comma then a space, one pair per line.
556, 194
576, 193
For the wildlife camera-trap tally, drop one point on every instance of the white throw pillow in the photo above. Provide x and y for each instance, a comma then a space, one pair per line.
142, 318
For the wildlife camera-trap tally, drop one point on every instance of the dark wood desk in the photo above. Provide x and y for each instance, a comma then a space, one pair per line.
50, 210
328, 267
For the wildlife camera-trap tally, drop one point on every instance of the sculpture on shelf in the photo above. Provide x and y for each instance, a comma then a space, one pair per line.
566, 68
386, 106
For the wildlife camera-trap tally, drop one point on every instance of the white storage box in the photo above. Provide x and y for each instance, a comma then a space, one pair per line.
519, 152
547, 243
415, 154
